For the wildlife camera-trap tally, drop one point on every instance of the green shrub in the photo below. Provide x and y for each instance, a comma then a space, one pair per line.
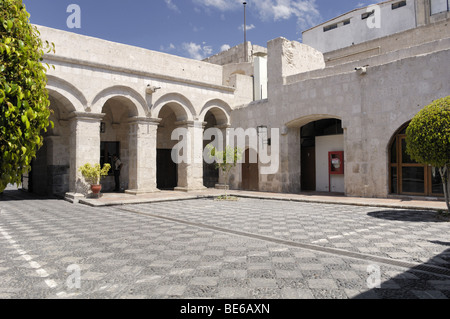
428, 139
93, 173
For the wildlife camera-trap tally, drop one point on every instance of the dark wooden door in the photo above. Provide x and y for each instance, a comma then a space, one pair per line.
210, 175
308, 164
250, 173
167, 170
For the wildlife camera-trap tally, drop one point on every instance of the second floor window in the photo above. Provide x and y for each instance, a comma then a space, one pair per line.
438, 6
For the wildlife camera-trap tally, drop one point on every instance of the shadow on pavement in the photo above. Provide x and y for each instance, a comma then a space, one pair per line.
409, 216
420, 282
438, 242
19, 194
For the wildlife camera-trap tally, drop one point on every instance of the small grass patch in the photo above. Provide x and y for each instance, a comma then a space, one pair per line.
227, 198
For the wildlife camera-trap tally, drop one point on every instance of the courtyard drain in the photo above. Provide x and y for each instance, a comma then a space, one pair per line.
343, 253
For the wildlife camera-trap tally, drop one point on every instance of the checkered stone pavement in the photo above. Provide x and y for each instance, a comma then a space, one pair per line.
413, 236
213, 249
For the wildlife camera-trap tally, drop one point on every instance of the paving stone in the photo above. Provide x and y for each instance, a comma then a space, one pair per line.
127, 255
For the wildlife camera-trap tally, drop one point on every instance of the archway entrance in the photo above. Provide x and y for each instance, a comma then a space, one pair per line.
318, 138
408, 177
210, 171
250, 171
166, 168
50, 169
115, 140
217, 119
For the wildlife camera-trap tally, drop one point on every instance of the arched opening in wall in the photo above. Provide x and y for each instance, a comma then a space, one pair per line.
115, 140
318, 139
407, 177
215, 118
250, 170
50, 169
166, 167
210, 171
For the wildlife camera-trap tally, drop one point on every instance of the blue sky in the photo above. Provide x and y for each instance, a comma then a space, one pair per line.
189, 28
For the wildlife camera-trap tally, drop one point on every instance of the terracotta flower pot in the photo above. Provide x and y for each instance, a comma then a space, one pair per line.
96, 189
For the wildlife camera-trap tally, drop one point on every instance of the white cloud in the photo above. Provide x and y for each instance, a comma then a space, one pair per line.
222, 5
225, 47
170, 47
197, 51
249, 27
172, 6
304, 11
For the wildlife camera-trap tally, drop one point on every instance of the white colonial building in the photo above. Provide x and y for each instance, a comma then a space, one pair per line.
332, 120
374, 22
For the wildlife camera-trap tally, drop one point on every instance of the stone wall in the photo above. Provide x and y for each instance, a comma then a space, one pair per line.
236, 54
372, 106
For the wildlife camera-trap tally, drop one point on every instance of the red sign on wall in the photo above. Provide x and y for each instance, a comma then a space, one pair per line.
336, 163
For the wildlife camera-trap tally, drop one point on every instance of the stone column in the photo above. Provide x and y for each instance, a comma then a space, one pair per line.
142, 155
190, 171
85, 148
290, 141
423, 10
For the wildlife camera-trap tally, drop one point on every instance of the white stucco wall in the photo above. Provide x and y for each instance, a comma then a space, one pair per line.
324, 145
358, 31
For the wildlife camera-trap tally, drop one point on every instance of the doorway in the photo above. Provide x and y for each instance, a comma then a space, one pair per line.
250, 171
167, 170
308, 176
317, 139
407, 177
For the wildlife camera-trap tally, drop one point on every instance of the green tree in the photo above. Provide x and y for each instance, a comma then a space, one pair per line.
428, 140
23, 97
225, 160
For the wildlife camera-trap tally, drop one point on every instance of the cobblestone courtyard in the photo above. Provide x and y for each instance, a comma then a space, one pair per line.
215, 249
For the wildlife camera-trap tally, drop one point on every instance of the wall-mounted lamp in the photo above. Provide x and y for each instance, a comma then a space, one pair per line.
152, 89
362, 69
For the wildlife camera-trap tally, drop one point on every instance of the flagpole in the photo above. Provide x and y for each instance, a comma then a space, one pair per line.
245, 33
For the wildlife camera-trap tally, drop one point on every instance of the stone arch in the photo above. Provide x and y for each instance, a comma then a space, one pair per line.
391, 137
119, 105
220, 109
50, 169
215, 114
180, 105
312, 137
124, 93
406, 176
301, 121
72, 99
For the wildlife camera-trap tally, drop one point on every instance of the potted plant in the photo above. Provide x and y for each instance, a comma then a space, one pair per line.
225, 160
93, 173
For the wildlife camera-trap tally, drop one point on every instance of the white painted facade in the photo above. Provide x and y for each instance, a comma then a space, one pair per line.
357, 27
439, 6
